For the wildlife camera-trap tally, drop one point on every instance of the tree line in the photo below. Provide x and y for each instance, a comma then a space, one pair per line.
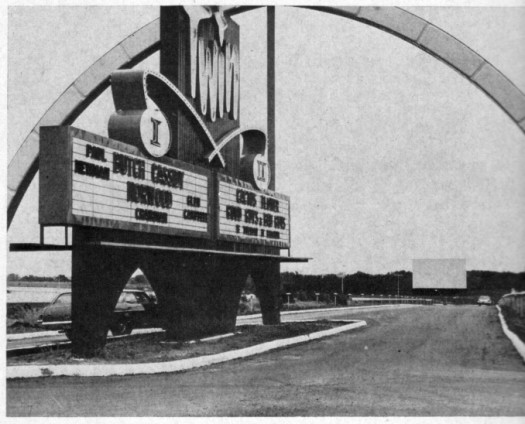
16, 277
388, 284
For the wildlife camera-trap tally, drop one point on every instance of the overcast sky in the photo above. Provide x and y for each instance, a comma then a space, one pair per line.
387, 153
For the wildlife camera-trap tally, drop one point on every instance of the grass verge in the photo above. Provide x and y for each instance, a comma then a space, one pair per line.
515, 323
150, 347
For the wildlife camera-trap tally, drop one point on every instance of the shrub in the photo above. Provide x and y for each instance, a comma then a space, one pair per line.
26, 315
302, 295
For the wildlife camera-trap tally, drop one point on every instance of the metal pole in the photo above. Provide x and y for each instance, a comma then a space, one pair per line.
270, 69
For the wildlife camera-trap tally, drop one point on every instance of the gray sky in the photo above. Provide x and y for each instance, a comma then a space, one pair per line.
387, 153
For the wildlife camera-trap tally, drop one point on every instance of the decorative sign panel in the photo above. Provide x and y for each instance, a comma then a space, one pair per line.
106, 183
247, 215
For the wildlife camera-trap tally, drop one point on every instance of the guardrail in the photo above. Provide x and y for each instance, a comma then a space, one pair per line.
515, 301
383, 300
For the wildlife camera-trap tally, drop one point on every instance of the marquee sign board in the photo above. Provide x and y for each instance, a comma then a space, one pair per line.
178, 180
91, 180
174, 162
247, 215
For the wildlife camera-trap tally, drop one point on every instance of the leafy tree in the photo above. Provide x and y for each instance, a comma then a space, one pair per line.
62, 278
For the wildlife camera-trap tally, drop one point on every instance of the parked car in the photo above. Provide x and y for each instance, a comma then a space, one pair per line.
134, 309
484, 300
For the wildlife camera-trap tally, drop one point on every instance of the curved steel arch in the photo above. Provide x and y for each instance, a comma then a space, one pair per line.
445, 47
141, 44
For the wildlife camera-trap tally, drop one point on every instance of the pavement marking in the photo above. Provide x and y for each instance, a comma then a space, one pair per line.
101, 370
516, 341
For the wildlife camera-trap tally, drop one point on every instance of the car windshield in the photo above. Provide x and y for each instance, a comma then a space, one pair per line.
64, 298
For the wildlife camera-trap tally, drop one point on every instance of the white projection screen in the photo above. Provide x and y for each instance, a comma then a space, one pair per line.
439, 274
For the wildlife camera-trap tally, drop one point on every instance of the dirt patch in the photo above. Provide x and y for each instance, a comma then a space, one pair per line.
153, 347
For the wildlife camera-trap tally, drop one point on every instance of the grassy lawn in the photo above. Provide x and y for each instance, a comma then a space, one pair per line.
153, 347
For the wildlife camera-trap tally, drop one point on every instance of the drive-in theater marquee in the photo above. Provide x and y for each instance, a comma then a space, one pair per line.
178, 189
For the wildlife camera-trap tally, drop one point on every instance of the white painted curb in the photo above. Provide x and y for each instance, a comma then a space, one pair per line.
21, 336
516, 341
97, 370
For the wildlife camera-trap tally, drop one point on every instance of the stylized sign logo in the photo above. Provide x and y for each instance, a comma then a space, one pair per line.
136, 95
151, 110
155, 132
218, 66
144, 98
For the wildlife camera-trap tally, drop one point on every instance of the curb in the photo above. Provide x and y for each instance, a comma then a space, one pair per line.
20, 336
138, 331
97, 370
516, 341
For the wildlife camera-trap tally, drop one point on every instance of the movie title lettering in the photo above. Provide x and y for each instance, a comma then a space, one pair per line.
251, 216
91, 170
151, 196
131, 167
246, 198
267, 220
152, 216
233, 213
269, 204
195, 215
193, 201
250, 231
279, 222
94, 152
167, 176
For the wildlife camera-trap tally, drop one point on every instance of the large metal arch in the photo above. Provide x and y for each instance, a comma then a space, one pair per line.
144, 42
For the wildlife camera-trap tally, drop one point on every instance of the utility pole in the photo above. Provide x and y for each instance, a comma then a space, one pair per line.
342, 276
397, 275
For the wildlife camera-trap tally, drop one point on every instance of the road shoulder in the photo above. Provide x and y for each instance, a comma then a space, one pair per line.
515, 340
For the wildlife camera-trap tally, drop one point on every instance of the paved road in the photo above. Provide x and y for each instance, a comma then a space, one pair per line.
422, 361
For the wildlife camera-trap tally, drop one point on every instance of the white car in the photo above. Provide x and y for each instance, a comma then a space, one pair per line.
484, 300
